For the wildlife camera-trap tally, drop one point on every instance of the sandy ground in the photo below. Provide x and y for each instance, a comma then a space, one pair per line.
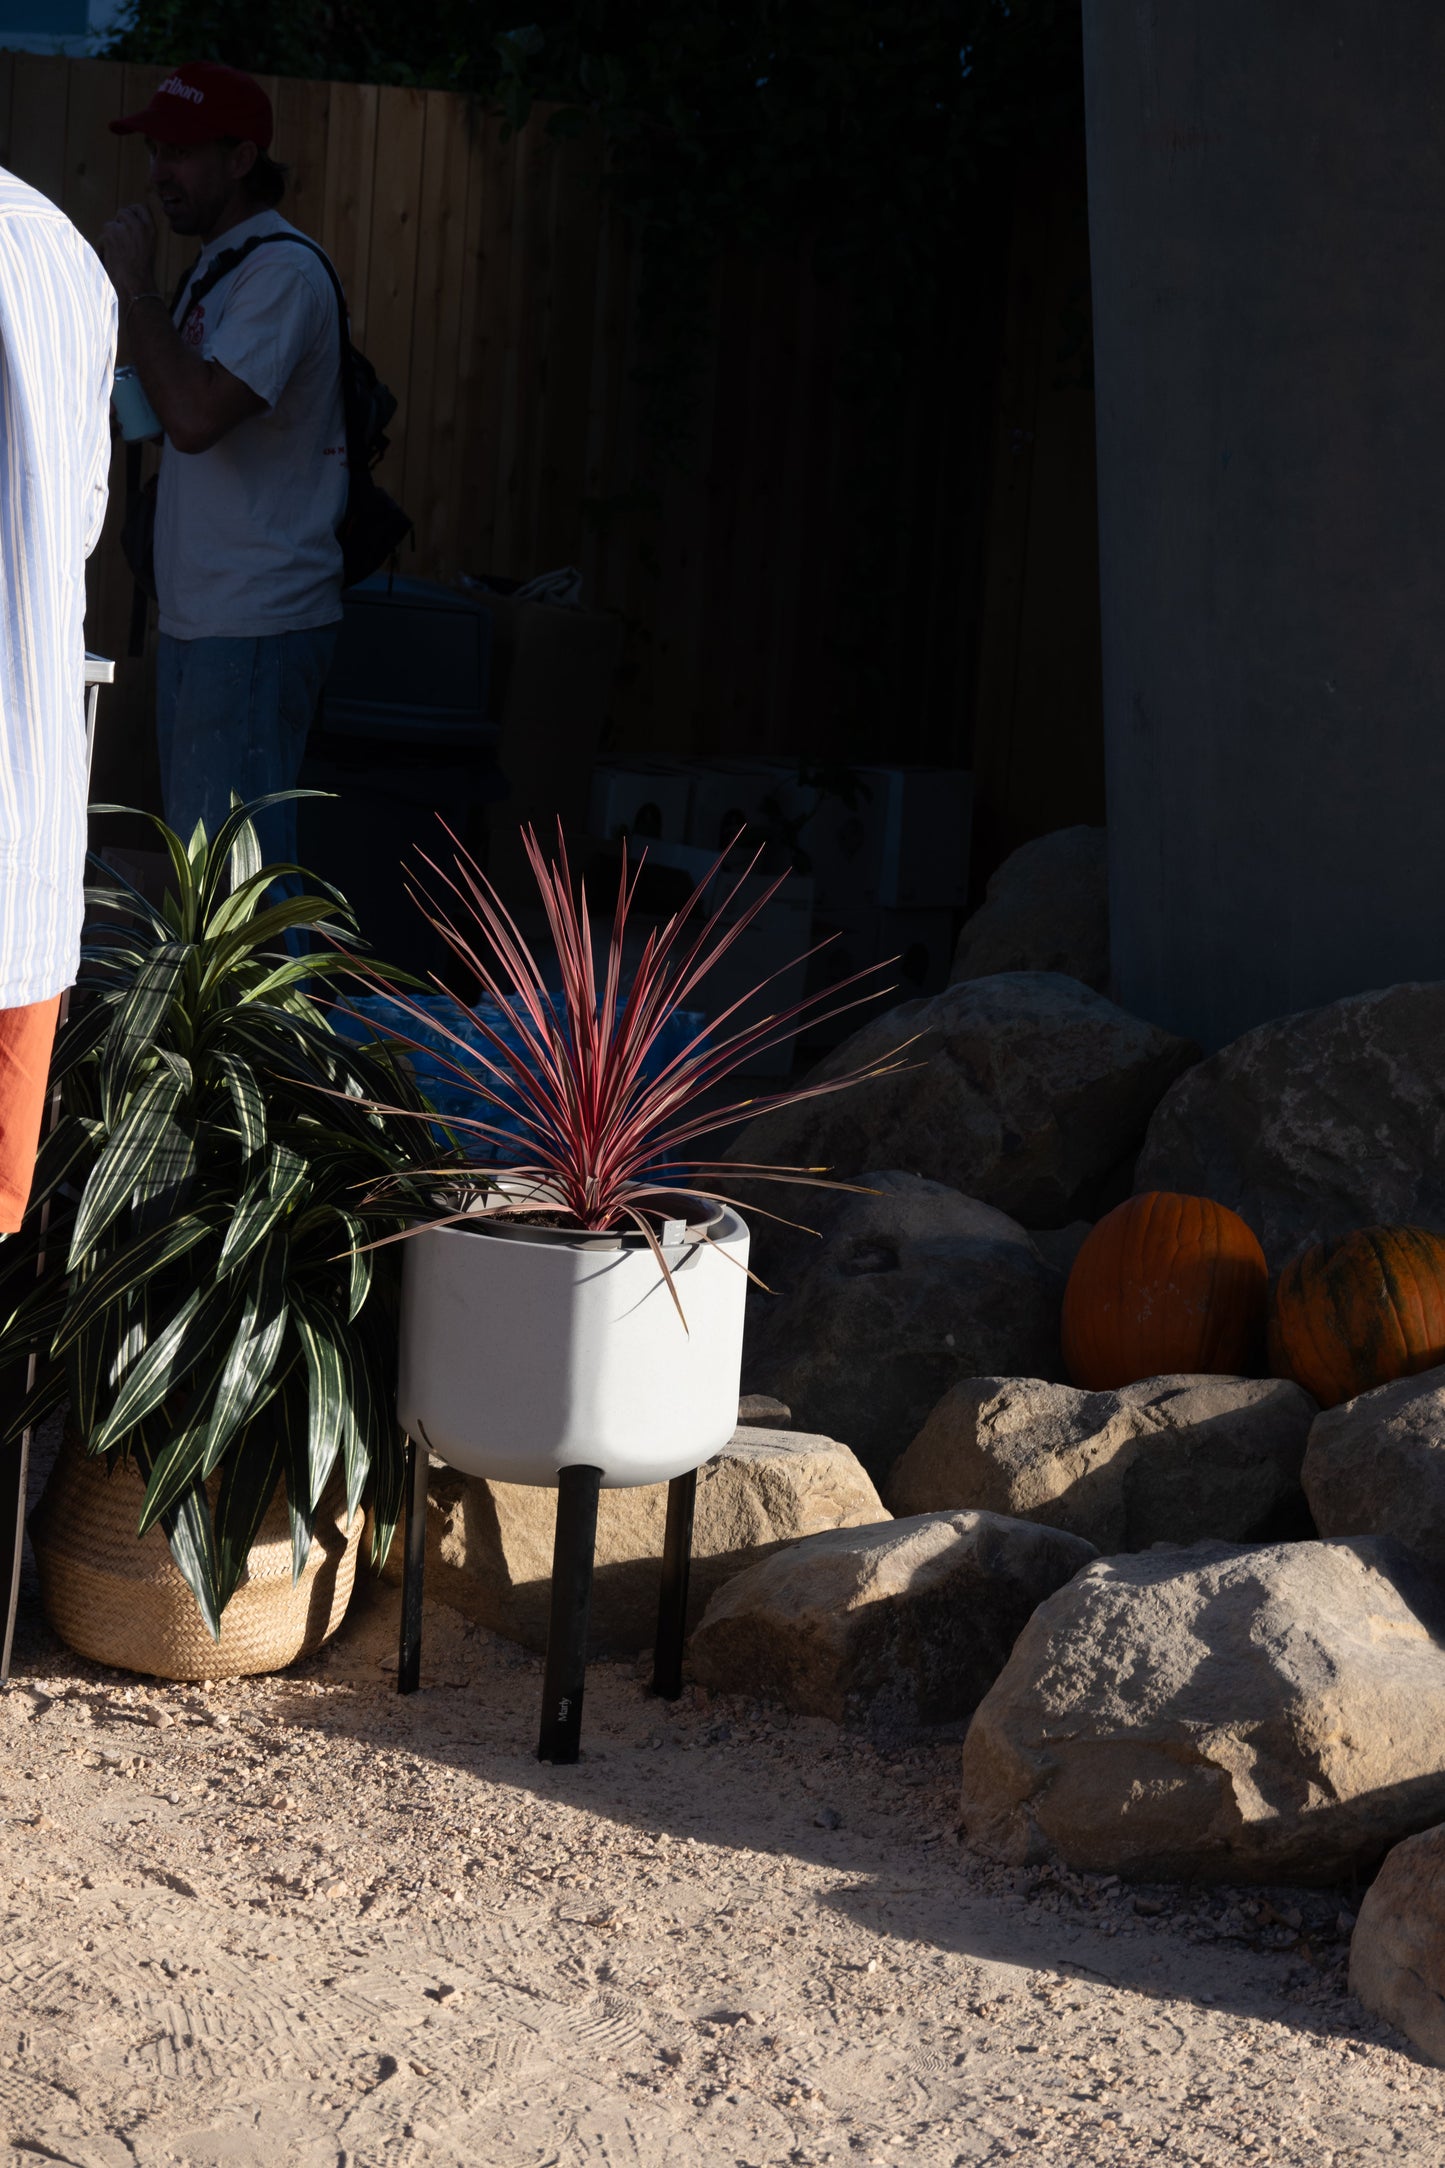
303, 1920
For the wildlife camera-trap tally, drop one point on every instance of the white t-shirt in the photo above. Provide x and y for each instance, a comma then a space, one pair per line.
246, 532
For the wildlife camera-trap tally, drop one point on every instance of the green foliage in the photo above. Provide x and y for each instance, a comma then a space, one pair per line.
207, 1307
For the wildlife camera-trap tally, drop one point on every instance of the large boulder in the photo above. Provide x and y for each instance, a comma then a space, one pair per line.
899, 1628
1170, 1460
1027, 1090
1315, 1124
1047, 909
489, 1545
1219, 1713
1397, 1951
912, 1287
1375, 1466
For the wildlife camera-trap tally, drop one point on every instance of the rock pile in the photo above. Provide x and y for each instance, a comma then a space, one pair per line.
1218, 1713
1397, 1952
1047, 909
489, 1545
911, 1287
1026, 1090
1315, 1124
899, 1627
1170, 1460
1376, 1466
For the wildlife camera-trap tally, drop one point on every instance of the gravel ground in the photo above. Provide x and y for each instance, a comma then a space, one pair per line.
302, 1920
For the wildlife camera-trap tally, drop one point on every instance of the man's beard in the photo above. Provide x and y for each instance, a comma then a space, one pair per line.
191, 218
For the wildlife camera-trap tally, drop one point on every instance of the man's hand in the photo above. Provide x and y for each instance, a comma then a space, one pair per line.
128, 249
196, 401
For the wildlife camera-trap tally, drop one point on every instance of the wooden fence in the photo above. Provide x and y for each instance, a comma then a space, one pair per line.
493, 283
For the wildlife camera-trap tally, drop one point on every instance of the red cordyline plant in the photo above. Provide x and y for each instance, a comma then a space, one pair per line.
598, 1129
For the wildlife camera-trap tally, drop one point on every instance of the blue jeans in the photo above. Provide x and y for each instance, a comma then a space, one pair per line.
233, 715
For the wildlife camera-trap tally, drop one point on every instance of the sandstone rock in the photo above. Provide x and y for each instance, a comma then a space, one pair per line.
1047, 909
489, 1545
1397, 1951
762, 1408
910, 1288
1218, 1714
1026, 1090
1315, 1124
1376, 1466
897, 1627
1169, 1460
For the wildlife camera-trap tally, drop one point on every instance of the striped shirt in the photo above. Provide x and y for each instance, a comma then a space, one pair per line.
57, 356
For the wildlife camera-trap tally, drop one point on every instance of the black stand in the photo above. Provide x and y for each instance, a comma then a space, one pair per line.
418, 1474
573, 1550
14, 1486
565, 1675
672, 1599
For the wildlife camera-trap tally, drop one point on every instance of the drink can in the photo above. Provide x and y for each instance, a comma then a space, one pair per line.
137, 417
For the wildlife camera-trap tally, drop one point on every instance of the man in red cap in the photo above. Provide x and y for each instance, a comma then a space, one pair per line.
244, 373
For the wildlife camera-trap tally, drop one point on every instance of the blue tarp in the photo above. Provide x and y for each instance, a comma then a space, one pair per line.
378, 1014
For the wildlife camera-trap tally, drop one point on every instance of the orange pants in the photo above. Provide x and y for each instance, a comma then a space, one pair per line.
26, 1038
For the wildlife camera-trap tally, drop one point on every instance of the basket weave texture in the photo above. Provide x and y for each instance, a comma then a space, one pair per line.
120, 1599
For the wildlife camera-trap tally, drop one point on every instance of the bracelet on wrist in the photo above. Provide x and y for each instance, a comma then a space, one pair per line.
136, 299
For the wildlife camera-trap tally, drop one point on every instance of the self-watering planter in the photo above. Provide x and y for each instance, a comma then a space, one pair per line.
578, 1320
534, 1352
527, 1349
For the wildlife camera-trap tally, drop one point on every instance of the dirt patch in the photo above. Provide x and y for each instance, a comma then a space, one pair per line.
302, 1920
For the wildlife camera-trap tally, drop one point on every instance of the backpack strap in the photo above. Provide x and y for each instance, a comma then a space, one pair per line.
227, 261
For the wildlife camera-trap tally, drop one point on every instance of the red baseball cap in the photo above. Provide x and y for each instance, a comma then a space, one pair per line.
201, 103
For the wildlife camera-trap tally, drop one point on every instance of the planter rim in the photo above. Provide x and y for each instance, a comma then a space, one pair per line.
484, 1220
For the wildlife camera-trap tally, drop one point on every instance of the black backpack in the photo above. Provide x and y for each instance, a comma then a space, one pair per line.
373, 526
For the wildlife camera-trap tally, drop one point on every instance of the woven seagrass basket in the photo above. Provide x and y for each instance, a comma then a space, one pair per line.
119, 1598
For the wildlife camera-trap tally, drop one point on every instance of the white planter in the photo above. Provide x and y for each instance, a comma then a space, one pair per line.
523, 1353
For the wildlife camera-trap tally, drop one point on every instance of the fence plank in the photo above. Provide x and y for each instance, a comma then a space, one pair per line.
92, 154
427, 482
391, 276
350, 173
485, 326
524, 340
39, 98
303, 112
605, 474
565, 362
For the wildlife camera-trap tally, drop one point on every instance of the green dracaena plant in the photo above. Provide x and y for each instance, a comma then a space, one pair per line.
209, 1304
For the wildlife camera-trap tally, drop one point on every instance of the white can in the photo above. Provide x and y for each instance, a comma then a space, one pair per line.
137, 417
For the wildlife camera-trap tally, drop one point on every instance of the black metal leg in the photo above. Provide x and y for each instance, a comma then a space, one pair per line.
14, 1484
672, 1603
573, 1548
418, 1473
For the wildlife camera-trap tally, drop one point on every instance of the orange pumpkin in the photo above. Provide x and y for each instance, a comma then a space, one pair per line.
1162, 1284
1354, 1313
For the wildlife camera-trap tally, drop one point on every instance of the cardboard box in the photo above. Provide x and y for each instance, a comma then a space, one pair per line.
905, 846
647, 799
898, 840
728, 796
